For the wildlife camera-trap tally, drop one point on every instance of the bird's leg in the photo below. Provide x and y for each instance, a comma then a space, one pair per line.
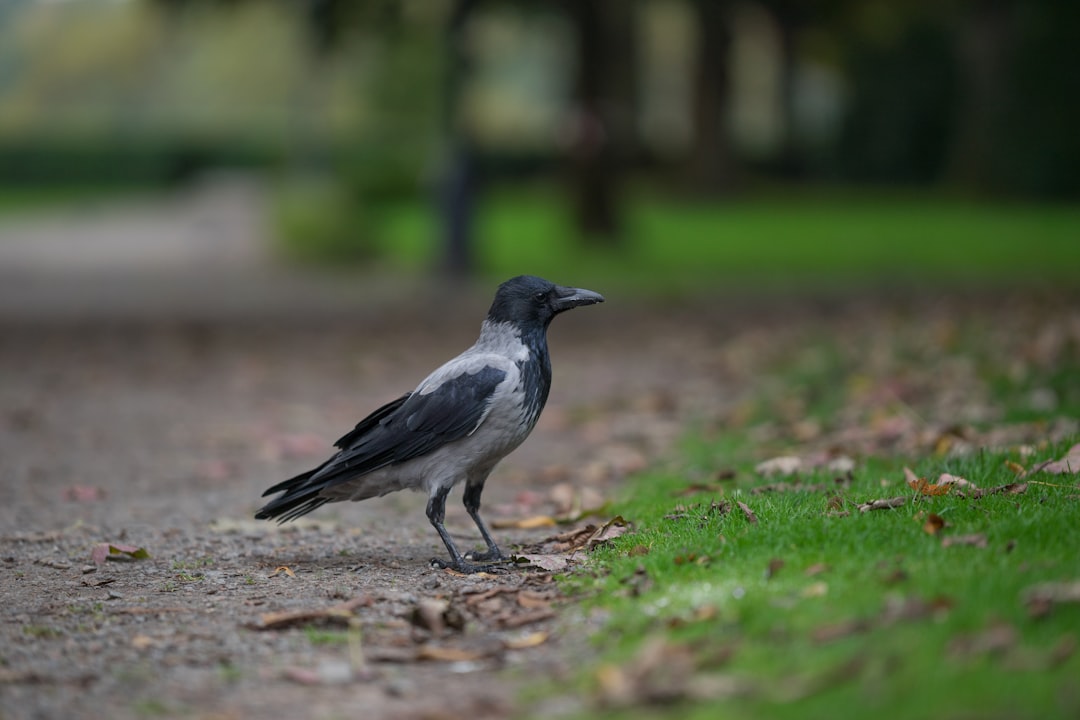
436, 512
472, 506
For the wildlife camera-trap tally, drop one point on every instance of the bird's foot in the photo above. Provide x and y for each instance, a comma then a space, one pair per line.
463, 567
492, 555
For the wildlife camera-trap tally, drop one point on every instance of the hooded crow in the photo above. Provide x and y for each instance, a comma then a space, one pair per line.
458, 423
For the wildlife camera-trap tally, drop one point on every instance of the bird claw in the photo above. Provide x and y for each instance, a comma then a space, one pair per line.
463, 567
495, 555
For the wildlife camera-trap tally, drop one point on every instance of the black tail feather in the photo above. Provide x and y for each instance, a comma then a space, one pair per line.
299, 498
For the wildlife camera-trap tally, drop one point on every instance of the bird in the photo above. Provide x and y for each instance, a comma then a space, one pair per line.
456, 426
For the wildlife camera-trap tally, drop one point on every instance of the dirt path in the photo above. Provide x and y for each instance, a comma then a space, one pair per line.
163, 437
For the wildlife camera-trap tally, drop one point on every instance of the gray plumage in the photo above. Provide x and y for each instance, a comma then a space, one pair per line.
458, 423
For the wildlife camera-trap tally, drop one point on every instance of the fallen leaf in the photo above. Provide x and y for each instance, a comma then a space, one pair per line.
1041, 599
659, 673
697, 488
83, 493
815, 569
774, 567
783, 465
512, 620
339, 614
112, 551
283, 569
142, 642
526, 641
750, 516
976, 540
1062, 650
533, 601
435, 615
1018, 469
551, 563
882, 504
444, 654
991, 641
836, 631
1068, 464
529, 523
934, 524
948, 479
817, 589
1017, 488
328, 672
924, 487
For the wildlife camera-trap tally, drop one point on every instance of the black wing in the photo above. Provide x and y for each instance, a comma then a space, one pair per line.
407, 428
420, 424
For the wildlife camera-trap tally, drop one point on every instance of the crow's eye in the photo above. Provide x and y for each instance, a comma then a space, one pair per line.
540, 296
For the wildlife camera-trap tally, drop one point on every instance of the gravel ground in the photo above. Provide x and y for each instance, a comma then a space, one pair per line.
162, 436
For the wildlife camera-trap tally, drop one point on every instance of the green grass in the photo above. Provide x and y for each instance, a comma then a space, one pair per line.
709, 590
814, 239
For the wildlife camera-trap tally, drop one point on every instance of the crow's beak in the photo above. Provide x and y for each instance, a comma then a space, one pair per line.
568, 297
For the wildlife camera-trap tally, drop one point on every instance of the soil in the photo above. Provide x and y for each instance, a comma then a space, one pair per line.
162, 436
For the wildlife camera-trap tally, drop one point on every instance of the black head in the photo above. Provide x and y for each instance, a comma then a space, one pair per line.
527, 300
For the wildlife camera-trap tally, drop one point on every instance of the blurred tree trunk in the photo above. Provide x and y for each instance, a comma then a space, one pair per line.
712, 164
458, 184
983, 43
604, 76
788, 16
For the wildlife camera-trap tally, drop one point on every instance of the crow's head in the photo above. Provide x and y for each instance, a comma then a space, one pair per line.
527, 300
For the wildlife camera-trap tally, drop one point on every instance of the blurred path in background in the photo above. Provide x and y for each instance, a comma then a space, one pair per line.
198, 253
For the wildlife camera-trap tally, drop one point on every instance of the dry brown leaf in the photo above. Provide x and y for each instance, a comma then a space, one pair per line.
975, 540
775, 565
661, 672
83, 493
142, 642
526, 641
1041, 599
529, 523
934, 524
552, 563
750, 516
282, 569
948, 479
1018, 469
836, 631
910, 476
882, 504
439, 653
1069, 464
991, 641
924, 487
1062, 650
783, 465
533, 600
339, 614
815, 569
1017, 488
697, 488
509, 620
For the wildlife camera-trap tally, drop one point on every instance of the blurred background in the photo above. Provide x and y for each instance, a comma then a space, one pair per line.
663, 143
